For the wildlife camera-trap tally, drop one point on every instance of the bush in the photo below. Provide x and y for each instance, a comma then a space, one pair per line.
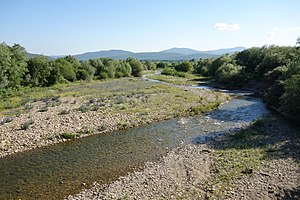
103, 75
82, 74
169, 71
66, 69
290, 101
184, 67
227, 73
68, 135
136, 67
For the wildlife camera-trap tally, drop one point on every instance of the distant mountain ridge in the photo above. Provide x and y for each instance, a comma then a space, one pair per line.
169, 54
172, 54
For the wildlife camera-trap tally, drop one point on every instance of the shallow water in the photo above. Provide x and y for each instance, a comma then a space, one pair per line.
59, 170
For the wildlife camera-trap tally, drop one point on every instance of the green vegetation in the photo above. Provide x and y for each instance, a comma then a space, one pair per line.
127, 96
17, 70
68, 135
272, 70
190, 79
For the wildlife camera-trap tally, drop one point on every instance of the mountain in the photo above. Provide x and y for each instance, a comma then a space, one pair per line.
169, 54
224, 51
184, 51
114, 54
32, 55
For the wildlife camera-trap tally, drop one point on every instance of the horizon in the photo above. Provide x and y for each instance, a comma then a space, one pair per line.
69, 28
144, 51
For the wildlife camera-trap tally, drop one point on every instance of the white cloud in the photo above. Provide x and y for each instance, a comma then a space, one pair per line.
227, 27
297, 28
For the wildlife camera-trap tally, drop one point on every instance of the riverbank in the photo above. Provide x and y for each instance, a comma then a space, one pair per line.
78, 110
261, 161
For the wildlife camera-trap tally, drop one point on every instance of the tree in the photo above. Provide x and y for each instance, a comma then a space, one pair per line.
123, 69
12, 65
298, 41
66, 69
136, 67
161, 65
73, 61
39, 71
227, 73
291, 97
218, 62
203, 65
150, 65
185, 66
86, 71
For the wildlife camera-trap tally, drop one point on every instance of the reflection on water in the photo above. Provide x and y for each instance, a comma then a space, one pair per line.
59, 170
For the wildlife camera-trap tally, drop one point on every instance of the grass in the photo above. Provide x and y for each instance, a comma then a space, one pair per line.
203, 109
189, 80
142, 101
68, 135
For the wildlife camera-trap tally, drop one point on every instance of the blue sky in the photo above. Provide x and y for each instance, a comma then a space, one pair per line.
60, 27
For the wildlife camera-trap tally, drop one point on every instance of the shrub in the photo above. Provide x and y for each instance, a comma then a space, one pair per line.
184, 67
83, 108
227, 73
136, 67
169, 71
68, 135
291, 97
103, 75
27, 124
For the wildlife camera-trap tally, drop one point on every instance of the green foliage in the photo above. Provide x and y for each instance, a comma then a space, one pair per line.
198, 109
161, 65
69, 136
41, 72
172, 72
169, 71
12, 65
218, 62
86, 71
150, 65
103, 75
290, 101
66, 69
185, 66
136, 67
203, 65
227, 73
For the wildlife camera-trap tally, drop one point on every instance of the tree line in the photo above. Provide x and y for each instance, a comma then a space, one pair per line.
17, 70
271, 70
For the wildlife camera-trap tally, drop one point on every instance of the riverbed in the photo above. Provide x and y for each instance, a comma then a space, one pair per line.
55, 172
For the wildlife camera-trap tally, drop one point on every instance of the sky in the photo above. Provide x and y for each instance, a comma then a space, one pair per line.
63, 27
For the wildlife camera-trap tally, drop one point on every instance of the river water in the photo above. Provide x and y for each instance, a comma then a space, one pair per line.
59, 170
